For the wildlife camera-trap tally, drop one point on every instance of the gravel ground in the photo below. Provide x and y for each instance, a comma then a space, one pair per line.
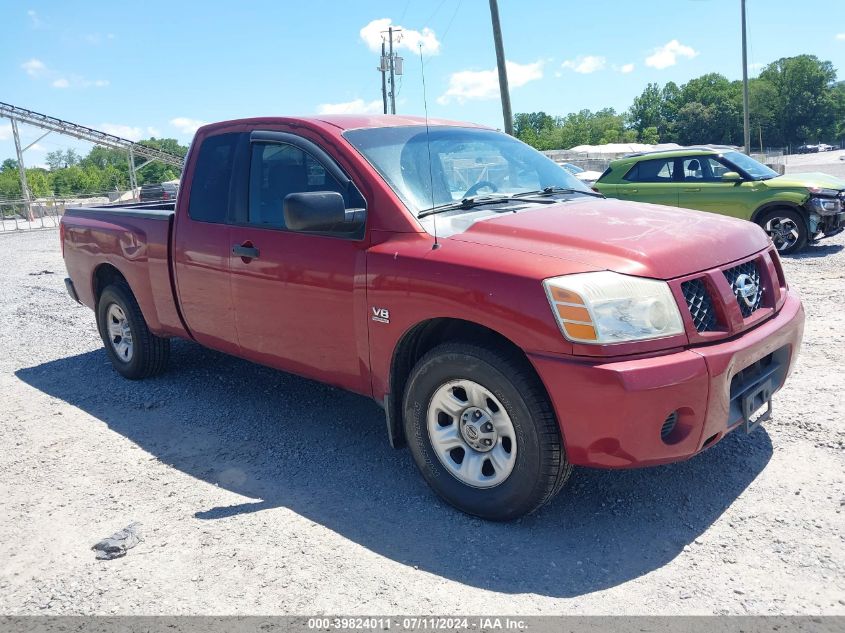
825, 162
263, 493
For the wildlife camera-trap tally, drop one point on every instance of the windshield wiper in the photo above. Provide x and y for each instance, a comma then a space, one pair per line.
550, 191
466, 203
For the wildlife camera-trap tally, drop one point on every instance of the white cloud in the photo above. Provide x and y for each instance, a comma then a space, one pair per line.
626, 68
185, 125
356, 106
409, 39
585, 64
34, 67
132, 132
37, 147
667, 55
124, 131
37, 69
37, 22
484, 84
5, 131
75, 81
840, 36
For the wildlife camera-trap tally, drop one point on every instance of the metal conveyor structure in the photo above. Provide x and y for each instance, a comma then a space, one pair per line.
52, 124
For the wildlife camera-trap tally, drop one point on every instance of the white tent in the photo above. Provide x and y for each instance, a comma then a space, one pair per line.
622, 148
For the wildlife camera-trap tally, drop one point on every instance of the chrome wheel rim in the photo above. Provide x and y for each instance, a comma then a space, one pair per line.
120, 335
471, 434
783, 231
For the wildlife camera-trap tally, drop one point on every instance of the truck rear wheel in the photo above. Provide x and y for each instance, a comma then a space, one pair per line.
787, 229
134, 351
482, 431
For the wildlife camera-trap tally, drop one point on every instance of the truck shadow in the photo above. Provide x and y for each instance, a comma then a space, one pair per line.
280, 440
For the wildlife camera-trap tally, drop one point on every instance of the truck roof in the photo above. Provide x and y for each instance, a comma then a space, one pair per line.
346, 121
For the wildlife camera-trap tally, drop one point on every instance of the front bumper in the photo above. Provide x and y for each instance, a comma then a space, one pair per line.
611, 413
831, 225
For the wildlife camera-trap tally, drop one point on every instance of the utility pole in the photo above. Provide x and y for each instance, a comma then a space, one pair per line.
382, 68
391, 64
746, 126
392, 73
392, 76
27, 198
503, 71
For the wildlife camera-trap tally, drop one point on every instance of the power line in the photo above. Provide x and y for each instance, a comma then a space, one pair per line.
452, 19
436, 11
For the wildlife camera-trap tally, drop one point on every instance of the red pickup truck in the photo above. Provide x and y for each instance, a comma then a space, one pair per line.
512, 322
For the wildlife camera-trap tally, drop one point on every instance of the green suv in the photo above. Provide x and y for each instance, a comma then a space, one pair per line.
792, 209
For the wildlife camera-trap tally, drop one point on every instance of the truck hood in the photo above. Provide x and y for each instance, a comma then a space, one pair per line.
632, 238
793, 181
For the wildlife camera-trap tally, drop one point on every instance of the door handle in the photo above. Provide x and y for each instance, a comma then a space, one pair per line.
690, 189
630, 190
246, 251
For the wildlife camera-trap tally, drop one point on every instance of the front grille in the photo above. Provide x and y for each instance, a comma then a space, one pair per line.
747, 287
700, 305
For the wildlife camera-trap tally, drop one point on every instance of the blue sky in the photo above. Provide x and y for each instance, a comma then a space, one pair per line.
159, 68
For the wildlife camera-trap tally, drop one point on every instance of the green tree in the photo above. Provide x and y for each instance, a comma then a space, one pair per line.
646, 111
693, 124
804, 105
650, 135
721, 102
60, 159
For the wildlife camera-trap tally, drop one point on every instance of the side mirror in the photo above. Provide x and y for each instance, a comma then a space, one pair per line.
314, 210
731, 176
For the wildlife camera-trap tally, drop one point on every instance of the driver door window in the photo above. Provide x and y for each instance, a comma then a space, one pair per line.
277, 170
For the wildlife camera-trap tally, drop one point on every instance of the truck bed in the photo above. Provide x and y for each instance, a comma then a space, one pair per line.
132, 240
152, 210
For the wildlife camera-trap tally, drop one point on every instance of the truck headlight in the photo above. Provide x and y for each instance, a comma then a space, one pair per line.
607, 307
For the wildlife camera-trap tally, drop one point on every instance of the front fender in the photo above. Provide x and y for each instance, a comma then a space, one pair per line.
790, 199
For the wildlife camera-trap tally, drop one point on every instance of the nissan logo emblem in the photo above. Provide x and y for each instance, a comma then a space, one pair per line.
747, 289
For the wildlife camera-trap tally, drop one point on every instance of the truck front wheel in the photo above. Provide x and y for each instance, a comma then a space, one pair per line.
134, 351
482, 431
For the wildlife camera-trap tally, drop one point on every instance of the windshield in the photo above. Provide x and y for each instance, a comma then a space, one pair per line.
465, 162
758, 171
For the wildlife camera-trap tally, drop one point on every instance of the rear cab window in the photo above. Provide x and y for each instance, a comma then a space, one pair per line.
210, 186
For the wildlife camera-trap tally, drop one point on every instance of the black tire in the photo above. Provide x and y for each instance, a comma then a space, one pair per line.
772, 220
150, 353
540, 467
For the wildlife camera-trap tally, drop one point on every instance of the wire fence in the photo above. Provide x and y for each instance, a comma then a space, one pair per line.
45, 213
